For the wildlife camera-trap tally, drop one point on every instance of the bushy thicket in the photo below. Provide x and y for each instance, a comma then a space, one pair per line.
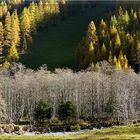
108, 92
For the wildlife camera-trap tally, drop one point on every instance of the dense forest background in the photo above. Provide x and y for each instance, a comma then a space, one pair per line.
100, 43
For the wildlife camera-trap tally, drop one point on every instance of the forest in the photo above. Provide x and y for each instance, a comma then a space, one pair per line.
68, 65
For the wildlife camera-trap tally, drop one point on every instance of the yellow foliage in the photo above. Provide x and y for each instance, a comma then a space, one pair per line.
113, 30
103, 49
102, 25
91, 48
118, 65
110, 58
13, 54
115, 60
6, 64
118, 41
97, 67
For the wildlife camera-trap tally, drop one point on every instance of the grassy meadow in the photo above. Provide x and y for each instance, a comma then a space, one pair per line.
130, 132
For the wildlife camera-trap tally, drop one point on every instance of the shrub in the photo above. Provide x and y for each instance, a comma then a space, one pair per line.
76, 127
67, 111
25, 128
55, 121
83, 116
42, 111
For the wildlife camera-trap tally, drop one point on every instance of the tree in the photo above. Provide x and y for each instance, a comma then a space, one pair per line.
5, 8
110, 59
118, 65
25, 23
111, 106
91, 34
7, 31
113, 31
136, 58
2, 109
125, 63
32, 10
41, 12
91, 51
1, 12
126, 17
115, 60
113, 21
117, 41
1, 43
66, 111
24, 43
13, 53
103, 25
6, 64
103, 35
103, 50
15, 29
1, 35
42, 112
122, 36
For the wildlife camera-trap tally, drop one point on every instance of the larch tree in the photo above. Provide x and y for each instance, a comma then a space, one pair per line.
32, 10
137, 55
104, 51
117, 41
1, 42
113, 21
13, 53
41, 12
1, 35
15, 29
1, 12
118, 65
7, 30
103, 33
115, 60
90, 43
110, 58
91, 34
25, 23
113, 31
91, 52
4, 8
126, 17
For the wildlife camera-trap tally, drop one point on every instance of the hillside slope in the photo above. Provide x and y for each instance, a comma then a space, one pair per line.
56, 45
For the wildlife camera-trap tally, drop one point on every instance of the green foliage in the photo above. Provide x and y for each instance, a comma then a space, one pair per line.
111, 106
67, 111
42, 111
76, 127
24, 43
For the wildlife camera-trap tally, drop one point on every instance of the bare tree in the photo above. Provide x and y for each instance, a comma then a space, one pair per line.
90, 91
